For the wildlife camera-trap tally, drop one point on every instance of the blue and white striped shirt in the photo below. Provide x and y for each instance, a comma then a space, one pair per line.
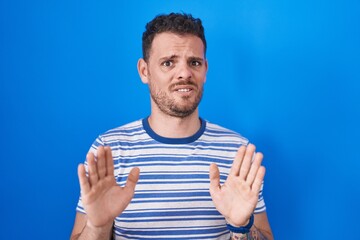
172, 199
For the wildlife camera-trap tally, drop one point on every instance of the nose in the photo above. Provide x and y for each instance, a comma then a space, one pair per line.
184, 71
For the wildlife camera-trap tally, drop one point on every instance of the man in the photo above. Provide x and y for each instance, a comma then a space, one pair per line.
172, 175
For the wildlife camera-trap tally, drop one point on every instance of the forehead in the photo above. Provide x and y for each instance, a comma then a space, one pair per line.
168, 43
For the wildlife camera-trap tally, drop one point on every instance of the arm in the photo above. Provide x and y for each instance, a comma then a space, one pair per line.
82, 231
236, 199
260, 230
102, 198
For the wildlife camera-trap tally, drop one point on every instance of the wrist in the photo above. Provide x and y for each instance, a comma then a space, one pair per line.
92, 232
243, 228
99, 229
238, 224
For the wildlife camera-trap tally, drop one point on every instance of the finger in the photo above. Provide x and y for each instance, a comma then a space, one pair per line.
133, 178
92, 169
109, 162
101, 162
83, 180
214, 176
256, 186
254, 168
235, 168
246, 163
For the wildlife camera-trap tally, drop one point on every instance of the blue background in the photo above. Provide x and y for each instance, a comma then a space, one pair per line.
285, 74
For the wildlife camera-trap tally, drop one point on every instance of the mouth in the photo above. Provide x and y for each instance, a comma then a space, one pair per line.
184, 87
183, 90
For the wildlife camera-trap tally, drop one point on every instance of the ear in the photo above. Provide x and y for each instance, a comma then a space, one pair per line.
206, 69
142, 67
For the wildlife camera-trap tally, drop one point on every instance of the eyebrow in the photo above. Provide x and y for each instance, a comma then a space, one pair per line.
174, 56
169, 57
199, 59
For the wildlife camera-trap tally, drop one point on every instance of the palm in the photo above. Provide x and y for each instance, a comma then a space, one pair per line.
236, 199
106, 202
102, 198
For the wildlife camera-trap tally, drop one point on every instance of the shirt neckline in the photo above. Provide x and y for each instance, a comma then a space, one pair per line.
186, 140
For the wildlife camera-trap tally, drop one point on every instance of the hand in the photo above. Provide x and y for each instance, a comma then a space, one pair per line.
102, 198
237, 198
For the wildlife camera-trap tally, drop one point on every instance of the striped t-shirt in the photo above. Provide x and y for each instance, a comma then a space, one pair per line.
172, 199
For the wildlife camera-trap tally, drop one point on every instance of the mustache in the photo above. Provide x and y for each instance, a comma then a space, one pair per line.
183, 83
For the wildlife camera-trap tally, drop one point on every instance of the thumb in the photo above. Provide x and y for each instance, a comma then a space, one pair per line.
133, 178
214, 175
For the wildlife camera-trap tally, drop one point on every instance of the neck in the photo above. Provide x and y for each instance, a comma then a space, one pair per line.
174, 127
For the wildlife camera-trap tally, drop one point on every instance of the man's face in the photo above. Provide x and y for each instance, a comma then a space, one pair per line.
176, 72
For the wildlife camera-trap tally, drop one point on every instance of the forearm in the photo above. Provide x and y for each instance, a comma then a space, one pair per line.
254, 234
93, 233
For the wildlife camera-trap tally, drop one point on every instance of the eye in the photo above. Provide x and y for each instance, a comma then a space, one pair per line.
195, 63
167, 63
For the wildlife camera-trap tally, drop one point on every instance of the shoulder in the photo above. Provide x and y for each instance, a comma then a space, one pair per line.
215, 130
129, 127
125, 131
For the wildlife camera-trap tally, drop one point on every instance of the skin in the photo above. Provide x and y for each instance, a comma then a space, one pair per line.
236, 199
175, 62
175, 73
102, 198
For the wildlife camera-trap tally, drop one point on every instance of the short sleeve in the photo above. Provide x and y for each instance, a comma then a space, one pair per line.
98, 142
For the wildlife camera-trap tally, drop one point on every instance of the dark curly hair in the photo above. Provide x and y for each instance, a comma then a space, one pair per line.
178, 23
